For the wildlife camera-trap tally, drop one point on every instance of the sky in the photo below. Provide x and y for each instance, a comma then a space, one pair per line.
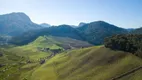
122, 13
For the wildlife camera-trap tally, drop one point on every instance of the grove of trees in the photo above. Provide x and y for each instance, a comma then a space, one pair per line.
127, 42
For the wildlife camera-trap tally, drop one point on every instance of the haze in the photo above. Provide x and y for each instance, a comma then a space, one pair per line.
123, 13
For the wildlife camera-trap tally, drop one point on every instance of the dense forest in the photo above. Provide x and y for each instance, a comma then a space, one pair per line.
129, 42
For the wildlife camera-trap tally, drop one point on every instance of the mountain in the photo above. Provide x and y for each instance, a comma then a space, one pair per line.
95, 32
81, 24
137, 31
45, 25
64, 31
74, 26
16, 23
59, 31
130, 29
4, 39
66, 53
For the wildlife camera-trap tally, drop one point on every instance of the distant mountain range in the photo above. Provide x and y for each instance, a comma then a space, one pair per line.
16, 23
95, 32
24, 30
59, 31
45, 25
130, 29
81, 24
137, 31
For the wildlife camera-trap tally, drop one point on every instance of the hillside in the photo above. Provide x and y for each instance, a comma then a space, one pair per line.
130, 43
39, 47
4, 39
64, 31
54, 42
137, 31
96, 63
95, 32
16, 23
59, 31
9, 64
93, 63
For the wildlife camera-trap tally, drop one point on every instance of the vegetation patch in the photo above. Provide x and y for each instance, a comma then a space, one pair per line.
130, 43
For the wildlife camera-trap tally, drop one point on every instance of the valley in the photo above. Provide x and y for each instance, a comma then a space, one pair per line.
90, 51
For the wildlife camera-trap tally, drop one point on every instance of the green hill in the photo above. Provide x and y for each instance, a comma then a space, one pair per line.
93, 63
38, 48
9, 64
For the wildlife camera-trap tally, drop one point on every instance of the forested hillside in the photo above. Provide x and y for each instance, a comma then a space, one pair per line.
130, 43
137, 31
95, 32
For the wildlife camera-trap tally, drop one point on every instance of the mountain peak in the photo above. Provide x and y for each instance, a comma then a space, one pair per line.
103, 24
99, 22
15, 16
16, 23
81, 24
16, 13
45, 25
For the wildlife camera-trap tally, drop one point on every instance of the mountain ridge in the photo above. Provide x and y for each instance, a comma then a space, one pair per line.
45, 25
93, 32
16, 23
98, 30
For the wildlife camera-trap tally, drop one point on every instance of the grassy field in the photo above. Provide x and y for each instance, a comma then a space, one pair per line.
31, 50
10, 63
92, 63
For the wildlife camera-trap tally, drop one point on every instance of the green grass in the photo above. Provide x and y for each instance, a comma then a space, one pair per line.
134, 76
94, 63
31, 52
11, 64
9, 58
45, 42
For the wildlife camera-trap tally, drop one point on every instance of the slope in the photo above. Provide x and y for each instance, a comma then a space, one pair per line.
95, 32
16, 23
59, 31
137, 31
94, 63
44, 45
9, 64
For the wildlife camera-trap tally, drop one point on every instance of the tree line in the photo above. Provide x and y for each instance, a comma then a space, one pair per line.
126, 42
